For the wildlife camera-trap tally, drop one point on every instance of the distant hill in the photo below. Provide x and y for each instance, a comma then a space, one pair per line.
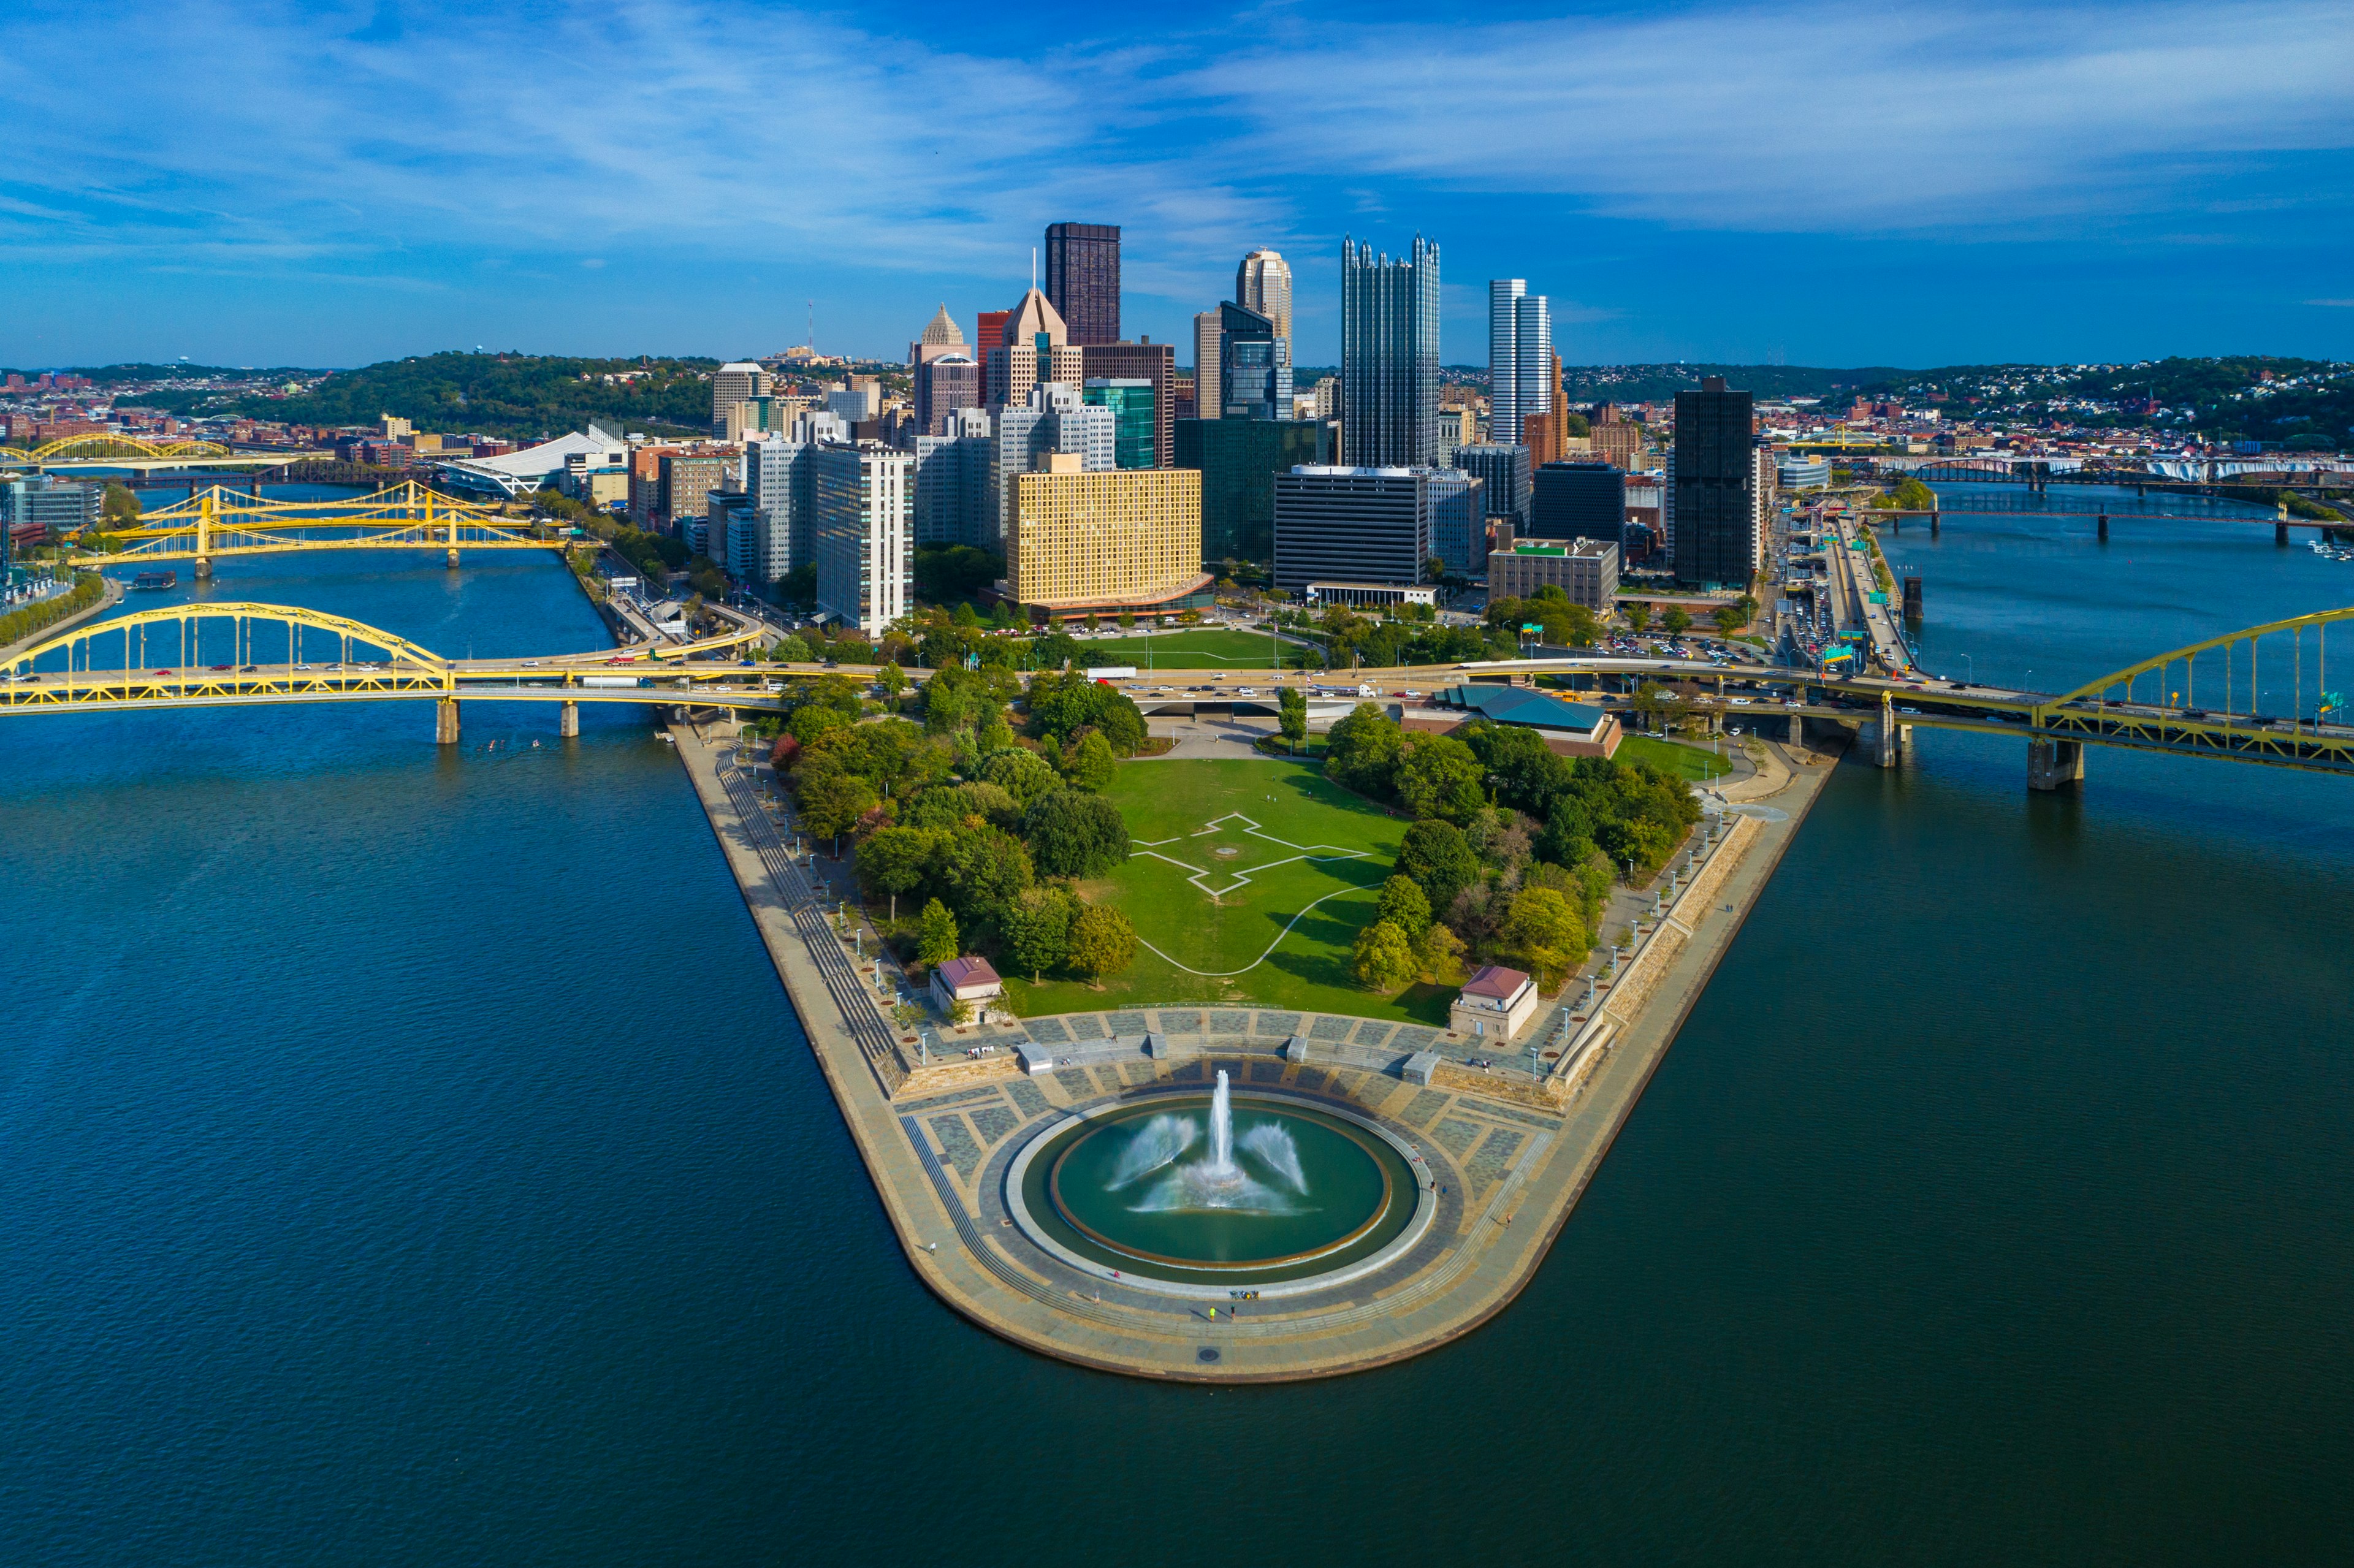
523, 396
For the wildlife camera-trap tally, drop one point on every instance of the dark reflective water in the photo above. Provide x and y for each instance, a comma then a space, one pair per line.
410, 1157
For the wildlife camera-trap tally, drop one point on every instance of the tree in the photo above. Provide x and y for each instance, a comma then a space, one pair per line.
1568, 836
1730, 618
1441, 953
1292, 717
1676, 622
1361, 752
1037, 928
1024, 775
893, 861
1545, 934
1406, 906
1439, 777
1102, 943
994, 735
1072, 833
832, 802
119, 507
894, 679
936, 937
1575, 425
1638, 614
790, 650
1437, 857
1384, 960
980, 872
1088, 761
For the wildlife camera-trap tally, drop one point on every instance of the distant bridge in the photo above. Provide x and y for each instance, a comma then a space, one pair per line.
141, 455
216, 521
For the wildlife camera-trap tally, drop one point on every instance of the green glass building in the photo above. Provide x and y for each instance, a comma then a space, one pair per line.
1239, 459
1136, 427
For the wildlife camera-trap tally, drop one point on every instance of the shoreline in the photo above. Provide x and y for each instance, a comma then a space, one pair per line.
940, 1136
109, 597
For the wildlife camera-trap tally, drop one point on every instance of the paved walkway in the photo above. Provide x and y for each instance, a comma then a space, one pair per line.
937, 1137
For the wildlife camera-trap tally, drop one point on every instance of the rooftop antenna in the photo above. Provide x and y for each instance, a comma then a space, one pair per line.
812, 325
1034, 268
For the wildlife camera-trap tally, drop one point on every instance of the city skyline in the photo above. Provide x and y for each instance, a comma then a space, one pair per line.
2088, 184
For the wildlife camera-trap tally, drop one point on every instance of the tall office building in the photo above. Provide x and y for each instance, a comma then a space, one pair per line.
943, 385
1546, 432
1717, 514
1262, 284
731, 384
939, 337
1206, 384
1239, 459
951, 476
1083, 279
1035, 348
1055, 419
1254, 366
1136, 418
1520, 358
1142, 361
1389, 356
1094, 543
1503, 469
780, 482
865, 551
1458, 521
1579, 501
1353, 525
686, 479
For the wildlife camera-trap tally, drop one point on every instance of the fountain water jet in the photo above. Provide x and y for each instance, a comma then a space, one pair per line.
1217, 1181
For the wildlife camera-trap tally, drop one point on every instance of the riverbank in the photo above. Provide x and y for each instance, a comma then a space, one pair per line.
109, 597
1508, 1157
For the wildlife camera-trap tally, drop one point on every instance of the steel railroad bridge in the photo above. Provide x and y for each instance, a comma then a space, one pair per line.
218, 522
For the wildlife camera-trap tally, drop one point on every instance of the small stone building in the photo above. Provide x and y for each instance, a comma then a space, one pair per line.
1495, 1004
970, 980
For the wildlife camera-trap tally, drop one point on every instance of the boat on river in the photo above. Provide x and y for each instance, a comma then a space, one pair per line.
156, 580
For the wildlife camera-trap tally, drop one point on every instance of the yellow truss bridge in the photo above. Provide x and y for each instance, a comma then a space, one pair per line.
229, 655
216, 521
95, 448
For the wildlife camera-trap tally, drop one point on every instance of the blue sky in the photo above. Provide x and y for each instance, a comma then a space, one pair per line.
253, 182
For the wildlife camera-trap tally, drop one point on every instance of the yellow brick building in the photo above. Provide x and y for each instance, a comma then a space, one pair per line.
1115, 539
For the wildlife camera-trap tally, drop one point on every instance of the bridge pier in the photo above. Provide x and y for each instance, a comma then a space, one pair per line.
445, 721
453, 557
2104, 528
204, 572
2054, 764
1935, 517
2280, 535
567, 721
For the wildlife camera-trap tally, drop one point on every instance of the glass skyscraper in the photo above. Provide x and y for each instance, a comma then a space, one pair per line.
1253, 366
1520, 358
1135, 424
1389, 356
1083, 280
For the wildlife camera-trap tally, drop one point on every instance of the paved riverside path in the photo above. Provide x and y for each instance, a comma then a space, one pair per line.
938, 1139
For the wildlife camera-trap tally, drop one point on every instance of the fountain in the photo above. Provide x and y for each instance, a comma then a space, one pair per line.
1218, 1182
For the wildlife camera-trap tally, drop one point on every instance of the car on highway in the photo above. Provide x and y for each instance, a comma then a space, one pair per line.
218, 668
249, 670
164, 672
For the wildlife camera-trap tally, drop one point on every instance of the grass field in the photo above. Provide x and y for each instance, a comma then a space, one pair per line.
1247, 882
1696, 763
1209, 648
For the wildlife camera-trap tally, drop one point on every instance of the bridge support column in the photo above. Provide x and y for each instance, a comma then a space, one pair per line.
204, 573
2280, 535
2054, 764
445, 721
453, 559
567, 721
2104, 528
1885, 737
1935, 517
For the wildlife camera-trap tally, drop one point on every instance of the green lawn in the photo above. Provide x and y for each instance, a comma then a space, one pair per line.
1692, 762
1296, 885
1209, 648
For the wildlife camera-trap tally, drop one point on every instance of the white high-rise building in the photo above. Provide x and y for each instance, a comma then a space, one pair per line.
778, 480
732, 383
1262, 284
1206, 379
951, 479
866, 545
1520, 358
1056, 419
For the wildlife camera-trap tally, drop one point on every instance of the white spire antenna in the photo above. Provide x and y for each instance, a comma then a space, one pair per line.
1034, 267
812, 324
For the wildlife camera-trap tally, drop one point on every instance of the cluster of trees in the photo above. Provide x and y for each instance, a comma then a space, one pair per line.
1514, 848
1566, 625
985, 829
526, 397
1910, 496
88, 589
1676, 620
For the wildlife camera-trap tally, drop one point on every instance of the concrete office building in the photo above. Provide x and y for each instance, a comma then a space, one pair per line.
733, 530
1207, 386
1578, 500
731, 384
1056, 419
865, 551
1389, 356
1520, 358
780, 481
1101, 543
1585, 569
943, 385
1503, 471
951, 476
686, 479
938, 338
1034, 348
1142, 361
1254, 366
1262, 284
1458, 521
1545, 432
1239, 459
1353, 525
1083, 280
1136, 418
51, 507
1714, 526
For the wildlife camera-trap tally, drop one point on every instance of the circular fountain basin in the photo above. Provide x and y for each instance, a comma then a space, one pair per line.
1138, 1191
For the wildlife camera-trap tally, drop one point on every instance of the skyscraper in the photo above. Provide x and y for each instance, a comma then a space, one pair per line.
1206, 384
1262, 284
1035, 348
733, 383
1520, 358
1083, 279
944, 385
865, 553
1389, 356
1254, 366
940, 337
1145, 361
1714, 479
1136, 421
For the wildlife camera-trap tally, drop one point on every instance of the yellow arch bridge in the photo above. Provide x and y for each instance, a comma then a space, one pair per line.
229, 655
218, 522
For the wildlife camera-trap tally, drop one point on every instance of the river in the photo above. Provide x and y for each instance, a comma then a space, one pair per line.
411, 1157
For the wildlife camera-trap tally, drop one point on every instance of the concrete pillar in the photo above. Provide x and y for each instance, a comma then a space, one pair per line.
204, 571
1885, 737
567, 721
2054, 764
1934, 520
445, 721
453, 559
2104, 528
2280, 535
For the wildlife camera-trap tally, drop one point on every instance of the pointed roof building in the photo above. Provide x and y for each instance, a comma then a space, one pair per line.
940, 337
1034, 315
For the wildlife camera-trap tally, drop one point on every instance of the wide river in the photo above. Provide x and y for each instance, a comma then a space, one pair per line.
409, 1157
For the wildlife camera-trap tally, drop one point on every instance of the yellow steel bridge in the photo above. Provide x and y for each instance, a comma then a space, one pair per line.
227, 655
218, 522
107, 452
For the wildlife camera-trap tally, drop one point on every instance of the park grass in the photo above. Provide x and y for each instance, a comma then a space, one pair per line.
1280, 931
1693, 763
1204, 648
